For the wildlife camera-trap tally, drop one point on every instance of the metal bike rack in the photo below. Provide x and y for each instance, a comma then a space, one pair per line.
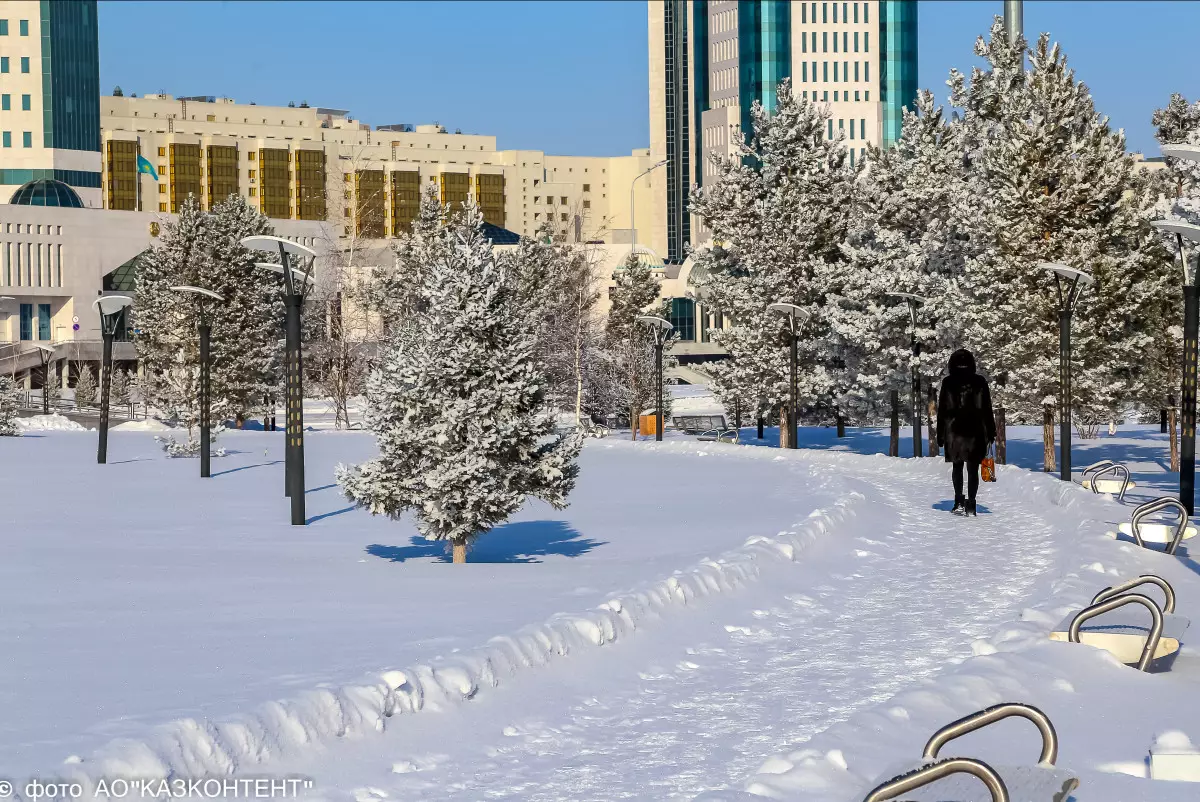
1092, 474
1158, 505
1145, 579
1120, 601
718, 436
925, 775
975, 721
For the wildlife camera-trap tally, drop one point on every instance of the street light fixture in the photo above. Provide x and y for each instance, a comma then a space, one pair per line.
46, 352
913, 302
1068, 281
796, 317
660, 330
111, 309
294, 361
632, 185
1191, 323
204, 327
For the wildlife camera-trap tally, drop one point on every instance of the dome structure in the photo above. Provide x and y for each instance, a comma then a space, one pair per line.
46, 192
647, 257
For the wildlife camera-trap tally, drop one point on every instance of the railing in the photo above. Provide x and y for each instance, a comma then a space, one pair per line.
32, 400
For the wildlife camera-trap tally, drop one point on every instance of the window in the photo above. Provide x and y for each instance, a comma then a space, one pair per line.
856, 12
866, 41
3, 63
856, 93
162, 207
824, 42
26, 102
563, 217
825, 72
852, 136
846, 71
253, 192
856, 72
682, 316
162, 189
252, 173
867, 75
804, 72
25, 64
862, 128
587, 204
856, 41
562, 200
804, 12
829, 123
587, 187
7, 139
835, 13
250, 156
24, 27
27, 139
867, 96
835, 49
3, 27
835, 73
867, 13
824, 13
162, 151
803, 43
43, 319
26, 317
826, 96
5, 103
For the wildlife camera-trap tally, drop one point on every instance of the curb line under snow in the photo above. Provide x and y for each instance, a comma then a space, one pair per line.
190, 748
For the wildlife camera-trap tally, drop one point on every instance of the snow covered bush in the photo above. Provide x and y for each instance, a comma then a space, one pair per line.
119, 394
187, 448
10, 400
85, 388
458, 404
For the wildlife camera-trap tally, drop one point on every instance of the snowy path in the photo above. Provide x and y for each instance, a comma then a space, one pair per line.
671, 714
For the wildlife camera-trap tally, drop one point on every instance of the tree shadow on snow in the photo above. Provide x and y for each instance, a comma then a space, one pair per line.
246, 467
522, 542
948, 504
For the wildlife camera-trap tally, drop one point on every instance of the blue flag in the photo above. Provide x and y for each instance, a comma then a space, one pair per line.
144, 166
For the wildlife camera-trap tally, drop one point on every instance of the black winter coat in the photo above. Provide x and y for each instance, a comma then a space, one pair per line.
966, 424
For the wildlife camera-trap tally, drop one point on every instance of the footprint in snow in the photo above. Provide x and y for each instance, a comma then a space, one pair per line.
369, 794
687, 665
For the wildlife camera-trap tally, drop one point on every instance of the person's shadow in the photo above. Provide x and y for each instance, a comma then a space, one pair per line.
948, 504
522, 542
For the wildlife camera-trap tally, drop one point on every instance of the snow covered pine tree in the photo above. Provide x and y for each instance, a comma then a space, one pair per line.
459, 410
10, 399
85, 388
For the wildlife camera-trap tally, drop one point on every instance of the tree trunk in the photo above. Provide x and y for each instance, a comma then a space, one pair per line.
460, 550
1162, 421
1001, 438
931, 423
760, 423
784, 429
1173, 436
841, 424
894, 437
1048, 461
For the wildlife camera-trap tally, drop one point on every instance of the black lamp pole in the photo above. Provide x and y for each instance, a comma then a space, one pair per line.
1068, 282
916, 382
112, 312
294, 364
660, 330
205, 330
46, 355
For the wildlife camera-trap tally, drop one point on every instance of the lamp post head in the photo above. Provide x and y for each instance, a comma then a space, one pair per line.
264, 242
908, 296
110, 308
1189, 152
797, 316
45, 349
203, 293
278, 268
659, 328
1186, 230
1068, 273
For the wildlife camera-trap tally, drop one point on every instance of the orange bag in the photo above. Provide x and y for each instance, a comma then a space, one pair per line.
987, 468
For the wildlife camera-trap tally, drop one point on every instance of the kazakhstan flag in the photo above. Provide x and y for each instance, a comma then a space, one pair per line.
144, 166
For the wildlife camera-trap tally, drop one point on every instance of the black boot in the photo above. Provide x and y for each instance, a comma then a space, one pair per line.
960, 506
971, 508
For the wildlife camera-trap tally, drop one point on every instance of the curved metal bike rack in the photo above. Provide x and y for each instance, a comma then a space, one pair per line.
1106, 467
925, 775
1157, 505
975, 721
1144, 579
1095, 466
1120, 601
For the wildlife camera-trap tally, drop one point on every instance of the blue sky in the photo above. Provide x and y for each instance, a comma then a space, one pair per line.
567, 77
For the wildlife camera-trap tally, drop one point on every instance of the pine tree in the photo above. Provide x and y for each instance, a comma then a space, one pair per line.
119, 390
1053, 183
904, 237
10, 402
459, 410
779, 211
85, 388
52, 385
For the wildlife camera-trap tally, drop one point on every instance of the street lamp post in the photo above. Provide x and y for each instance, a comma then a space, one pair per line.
913, 302
1191, 323
660, 330
1068, 281
111, 309
293, 299
632, 185
46, 353
796, 318
204, 328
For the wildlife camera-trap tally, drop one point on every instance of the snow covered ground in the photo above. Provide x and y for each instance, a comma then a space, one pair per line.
800, 665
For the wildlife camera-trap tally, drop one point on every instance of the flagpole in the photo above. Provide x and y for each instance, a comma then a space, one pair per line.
137, 172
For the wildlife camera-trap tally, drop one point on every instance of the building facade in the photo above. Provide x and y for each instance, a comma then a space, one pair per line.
49, 96
710, 60
320, 164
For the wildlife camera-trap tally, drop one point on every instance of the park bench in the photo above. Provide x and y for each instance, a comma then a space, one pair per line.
1170, 534
964, 779
1123, 631
1094, 478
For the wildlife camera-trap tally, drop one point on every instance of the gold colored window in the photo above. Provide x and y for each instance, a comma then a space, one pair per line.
489, 194
310, 184
455, 189
406, 200
273, 169
122, 178
185, 174
162, 151
222, 173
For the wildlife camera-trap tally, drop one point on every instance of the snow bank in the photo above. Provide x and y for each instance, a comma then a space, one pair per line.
147, 425
50, 423
191, 748
1016, 663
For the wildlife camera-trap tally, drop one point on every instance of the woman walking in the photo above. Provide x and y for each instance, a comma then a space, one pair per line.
966, 425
